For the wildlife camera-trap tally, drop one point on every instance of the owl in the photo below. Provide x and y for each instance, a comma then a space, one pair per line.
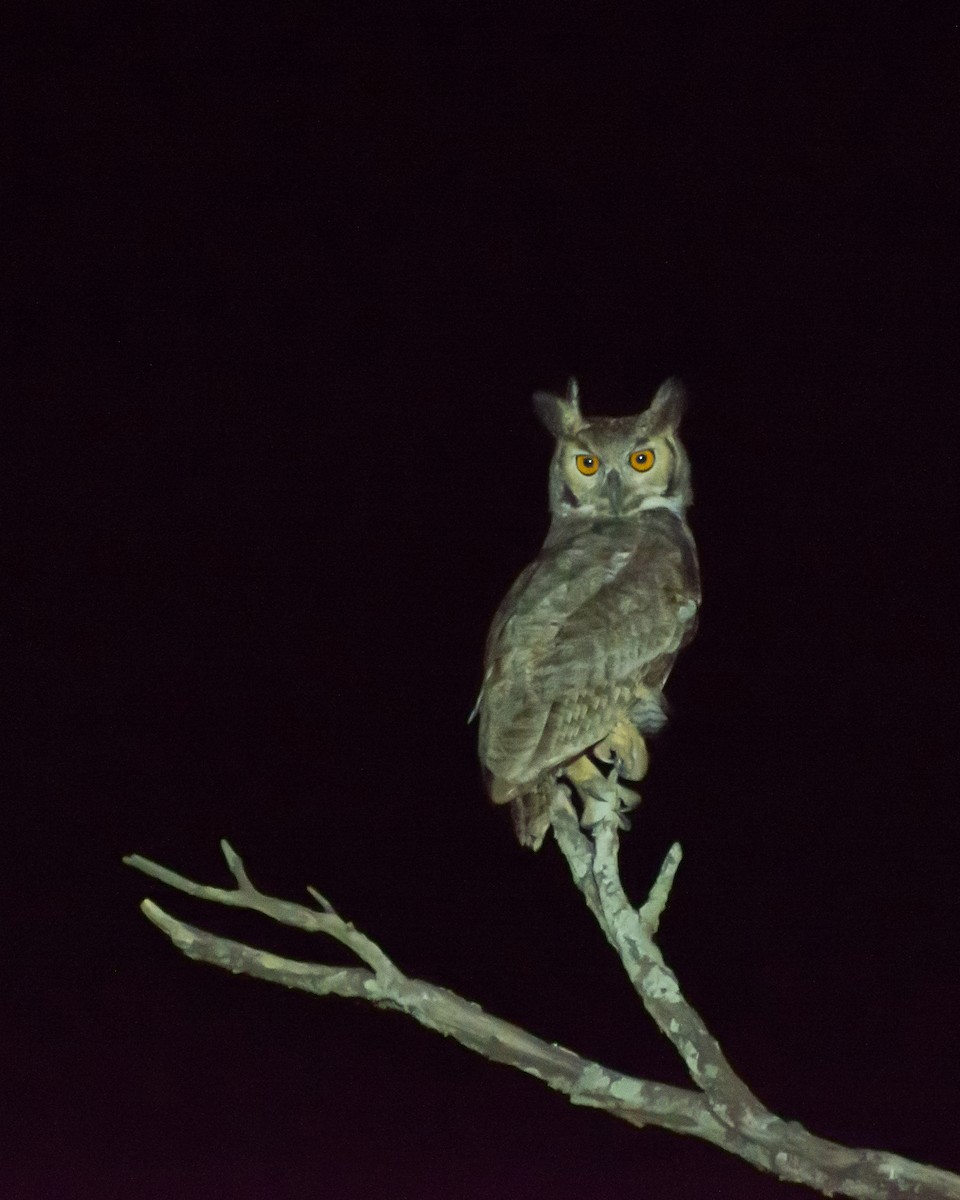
582, 644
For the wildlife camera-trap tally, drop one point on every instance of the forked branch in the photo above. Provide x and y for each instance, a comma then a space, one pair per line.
720, 1108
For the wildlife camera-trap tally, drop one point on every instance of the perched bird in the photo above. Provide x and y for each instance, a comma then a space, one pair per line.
583, 642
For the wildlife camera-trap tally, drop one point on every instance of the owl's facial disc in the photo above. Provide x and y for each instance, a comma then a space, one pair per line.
612, 469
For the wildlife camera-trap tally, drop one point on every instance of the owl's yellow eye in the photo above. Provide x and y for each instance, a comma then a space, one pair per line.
641, 460
588, 464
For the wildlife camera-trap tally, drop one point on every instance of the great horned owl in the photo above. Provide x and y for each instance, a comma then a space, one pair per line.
583, 642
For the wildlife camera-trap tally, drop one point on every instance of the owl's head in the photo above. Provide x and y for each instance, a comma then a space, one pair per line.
616, 467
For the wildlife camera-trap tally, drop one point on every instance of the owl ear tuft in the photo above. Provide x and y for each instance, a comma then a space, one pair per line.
560, 414
667, 406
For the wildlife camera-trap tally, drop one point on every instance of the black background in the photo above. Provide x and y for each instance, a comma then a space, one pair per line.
283, 286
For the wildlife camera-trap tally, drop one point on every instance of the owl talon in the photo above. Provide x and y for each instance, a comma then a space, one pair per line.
600, 795
596, 810
628, 798
627, 745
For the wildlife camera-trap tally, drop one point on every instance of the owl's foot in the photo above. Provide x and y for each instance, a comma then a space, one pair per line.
600, 794
626, 744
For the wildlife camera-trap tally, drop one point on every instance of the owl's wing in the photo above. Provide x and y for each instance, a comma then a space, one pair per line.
618, 647
507, 606
595, 621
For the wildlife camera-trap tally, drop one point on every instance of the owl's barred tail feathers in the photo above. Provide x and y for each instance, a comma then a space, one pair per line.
531, 814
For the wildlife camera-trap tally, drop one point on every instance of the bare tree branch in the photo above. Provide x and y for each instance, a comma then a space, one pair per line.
632, 937
722, 1110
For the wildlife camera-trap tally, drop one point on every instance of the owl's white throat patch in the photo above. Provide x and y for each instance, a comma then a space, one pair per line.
674, 503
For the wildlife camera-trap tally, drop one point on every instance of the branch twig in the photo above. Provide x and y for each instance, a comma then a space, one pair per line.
721, 1110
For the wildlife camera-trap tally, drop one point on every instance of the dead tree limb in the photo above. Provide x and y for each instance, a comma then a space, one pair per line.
720, 1109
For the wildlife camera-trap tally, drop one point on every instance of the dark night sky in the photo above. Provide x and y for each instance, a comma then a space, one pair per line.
283, 286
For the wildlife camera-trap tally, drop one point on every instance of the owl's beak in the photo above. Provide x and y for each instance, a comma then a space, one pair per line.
613, 487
